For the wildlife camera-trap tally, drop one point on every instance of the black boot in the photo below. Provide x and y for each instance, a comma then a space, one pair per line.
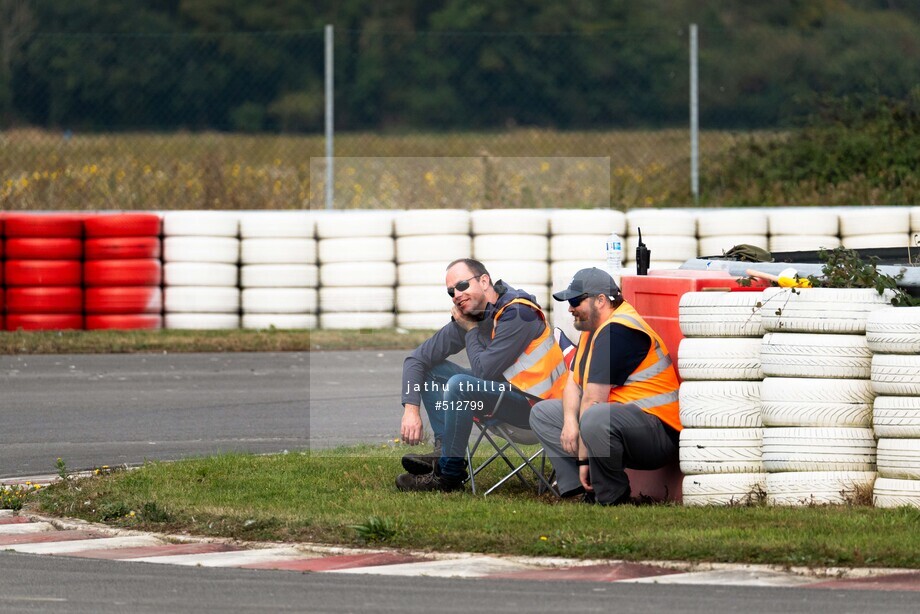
428, 482
420, 464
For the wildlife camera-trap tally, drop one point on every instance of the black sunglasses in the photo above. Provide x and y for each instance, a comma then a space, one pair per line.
462, 286
575, 302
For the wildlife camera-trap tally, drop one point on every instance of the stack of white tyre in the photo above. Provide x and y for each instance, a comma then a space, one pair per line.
427, 240
719, 363
513, 244
669, 234
871, 227
803, 229
278, 272
816, 402
578, 241
915, 227
722, 229
357, 275
201, 251
893, 335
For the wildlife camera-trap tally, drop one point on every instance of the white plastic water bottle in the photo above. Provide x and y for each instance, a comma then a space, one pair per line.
614, 255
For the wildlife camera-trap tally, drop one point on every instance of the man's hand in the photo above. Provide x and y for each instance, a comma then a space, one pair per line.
585, 476
411, 430
569, 437
464, 321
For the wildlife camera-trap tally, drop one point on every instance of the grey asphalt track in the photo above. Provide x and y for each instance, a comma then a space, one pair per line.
96, 409
32, 583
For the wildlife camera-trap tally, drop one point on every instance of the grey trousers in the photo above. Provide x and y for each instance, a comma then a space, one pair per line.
617, 437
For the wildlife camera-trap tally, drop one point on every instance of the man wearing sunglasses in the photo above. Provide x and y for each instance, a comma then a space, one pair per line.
619, 408
510, 348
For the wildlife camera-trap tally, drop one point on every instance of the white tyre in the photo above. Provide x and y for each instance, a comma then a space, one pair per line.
915, 219
821, 310
279, 275
662, 247
423, 299
278, 224
510, 247
442, 249
201, 321
802, 243
432, 320
587, 221
352, 274
896, 493
357, 320
722, 405
720, 314
859, 221
353, 300
899, 459
519, 273
510, 221
873, 241
561, 272
578, 247
896, 374
818, 449
894, 331
815, 355
896, 417
670, 222
426, 222
804, 221
200, 223
819, 487
724, 489
716, 246
278, 300
280, 321
200, 274
815, 402
200, 299
363, 249
201, 249
728, 222
421, 273
719, 359
354, 224
704, 451
278, 251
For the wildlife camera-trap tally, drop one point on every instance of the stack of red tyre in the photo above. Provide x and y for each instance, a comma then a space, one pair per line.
43, 271
122, 272
2, 303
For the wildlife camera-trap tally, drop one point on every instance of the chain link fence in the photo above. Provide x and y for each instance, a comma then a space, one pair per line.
235, 121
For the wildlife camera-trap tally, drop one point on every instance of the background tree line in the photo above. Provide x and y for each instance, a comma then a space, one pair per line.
443, 64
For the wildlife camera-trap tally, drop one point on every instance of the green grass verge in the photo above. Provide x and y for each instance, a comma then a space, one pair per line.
323, 496
128, 342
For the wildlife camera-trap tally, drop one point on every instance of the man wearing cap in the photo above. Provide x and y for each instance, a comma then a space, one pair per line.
510, 348
619, 408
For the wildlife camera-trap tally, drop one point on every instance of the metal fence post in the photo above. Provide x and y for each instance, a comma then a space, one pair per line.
694, 118
330, 168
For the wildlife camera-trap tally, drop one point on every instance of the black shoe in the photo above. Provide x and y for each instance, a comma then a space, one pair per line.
420, 464
428, 482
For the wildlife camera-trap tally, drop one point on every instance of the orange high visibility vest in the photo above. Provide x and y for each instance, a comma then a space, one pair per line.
653, 386
540, 371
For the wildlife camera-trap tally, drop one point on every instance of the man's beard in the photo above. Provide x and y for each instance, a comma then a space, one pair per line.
590, 323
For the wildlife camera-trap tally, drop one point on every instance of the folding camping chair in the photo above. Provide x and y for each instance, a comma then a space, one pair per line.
491, 427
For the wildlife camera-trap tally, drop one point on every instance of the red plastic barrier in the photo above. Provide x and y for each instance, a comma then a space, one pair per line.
43, 226
140, 272
16, 321
122, 248
124, 322
33, 248
123, 225
124, 300
64, 299
43, 273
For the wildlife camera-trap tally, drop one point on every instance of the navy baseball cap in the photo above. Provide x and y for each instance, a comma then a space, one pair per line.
592, 282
